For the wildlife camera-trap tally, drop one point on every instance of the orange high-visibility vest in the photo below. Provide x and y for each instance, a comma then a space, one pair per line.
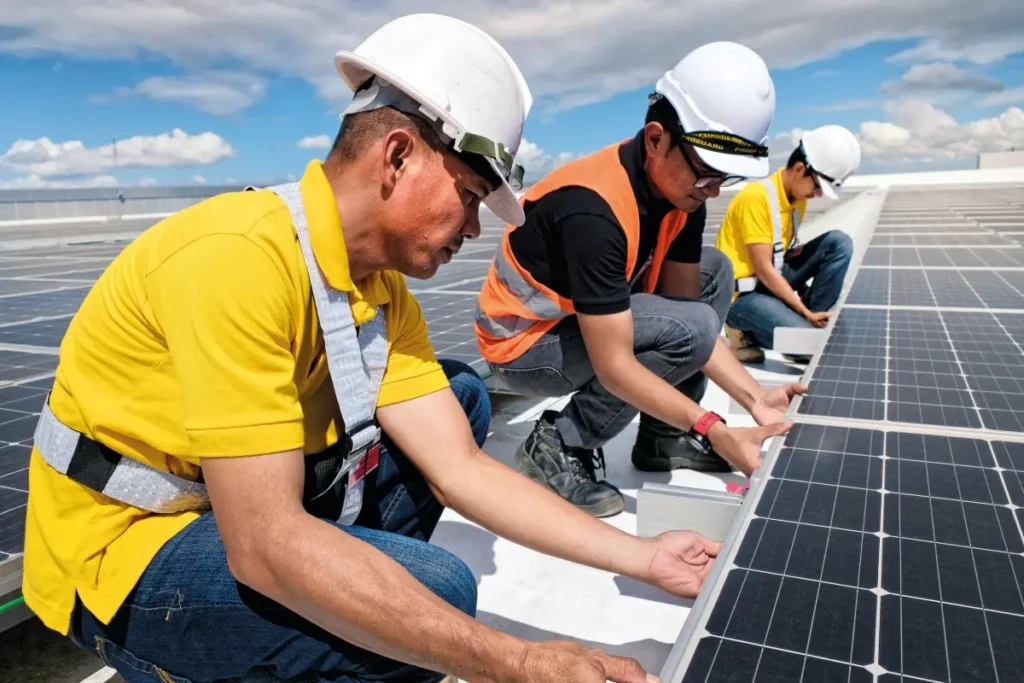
514, 310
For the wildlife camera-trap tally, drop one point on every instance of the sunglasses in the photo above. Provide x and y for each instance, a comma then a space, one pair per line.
705, 177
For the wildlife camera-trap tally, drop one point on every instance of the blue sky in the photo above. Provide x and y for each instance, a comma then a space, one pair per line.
255, 116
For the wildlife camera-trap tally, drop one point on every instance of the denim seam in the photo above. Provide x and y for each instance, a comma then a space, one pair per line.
397, 496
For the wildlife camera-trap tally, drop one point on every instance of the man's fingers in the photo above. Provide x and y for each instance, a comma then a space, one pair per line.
712, 548
626, 670
794, 389
770, 430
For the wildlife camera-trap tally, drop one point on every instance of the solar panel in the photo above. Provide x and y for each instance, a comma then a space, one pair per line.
963, 257
948, 368
939, 240
871, 553
931, 229
999, 289
883, 543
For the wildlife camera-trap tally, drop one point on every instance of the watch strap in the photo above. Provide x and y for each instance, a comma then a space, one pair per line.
706, 421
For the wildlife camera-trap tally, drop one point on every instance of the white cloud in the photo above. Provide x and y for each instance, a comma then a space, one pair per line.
43, 157
199, 179
938, 77
781, 145
34, 182
315, 142
537, 162
921, 132
148, 181
1002, 99
569, 56
824, 73
221, 93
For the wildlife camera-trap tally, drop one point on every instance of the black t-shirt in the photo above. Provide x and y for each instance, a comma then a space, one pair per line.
572, 243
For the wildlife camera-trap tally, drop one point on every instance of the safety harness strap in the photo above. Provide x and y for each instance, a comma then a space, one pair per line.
748, 284
356, 361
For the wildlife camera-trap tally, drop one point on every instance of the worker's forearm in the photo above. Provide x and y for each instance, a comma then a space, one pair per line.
727, 372
630, 381
514, 507
777, 285
359, 594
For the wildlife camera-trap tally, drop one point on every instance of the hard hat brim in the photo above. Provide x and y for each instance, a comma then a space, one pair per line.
829, 190
503, 202
734, 164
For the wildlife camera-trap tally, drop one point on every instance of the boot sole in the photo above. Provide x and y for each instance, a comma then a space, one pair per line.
607, 508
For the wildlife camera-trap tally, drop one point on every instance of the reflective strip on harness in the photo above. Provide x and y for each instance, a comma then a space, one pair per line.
356, 362
135, 483
748, 284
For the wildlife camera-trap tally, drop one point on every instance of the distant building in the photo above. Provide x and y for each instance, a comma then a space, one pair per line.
1011, 159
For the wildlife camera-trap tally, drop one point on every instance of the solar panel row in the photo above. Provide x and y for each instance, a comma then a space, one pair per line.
884, 542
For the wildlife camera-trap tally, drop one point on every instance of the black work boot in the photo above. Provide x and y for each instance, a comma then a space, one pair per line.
660, 448
569, 472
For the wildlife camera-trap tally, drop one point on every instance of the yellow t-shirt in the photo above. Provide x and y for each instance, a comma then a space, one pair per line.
200, 340
748, 221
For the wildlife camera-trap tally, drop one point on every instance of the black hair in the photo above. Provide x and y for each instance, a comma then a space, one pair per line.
796, 157
359, 130
662, 112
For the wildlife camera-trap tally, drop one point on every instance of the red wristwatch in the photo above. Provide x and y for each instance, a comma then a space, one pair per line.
698, 434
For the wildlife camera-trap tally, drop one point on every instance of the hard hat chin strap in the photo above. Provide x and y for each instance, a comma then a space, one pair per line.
379, 93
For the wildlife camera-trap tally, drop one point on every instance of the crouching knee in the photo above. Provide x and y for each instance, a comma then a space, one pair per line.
472, 394
839, 244
705, 327
449, 578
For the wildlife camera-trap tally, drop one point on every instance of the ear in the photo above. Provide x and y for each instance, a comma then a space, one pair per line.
800, 168
398, 147
656, 139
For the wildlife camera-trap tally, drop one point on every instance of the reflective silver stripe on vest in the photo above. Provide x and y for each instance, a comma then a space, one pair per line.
506, 327
356, 363
748, 284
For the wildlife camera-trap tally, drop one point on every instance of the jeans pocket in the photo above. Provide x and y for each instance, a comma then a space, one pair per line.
131, 668
542, 381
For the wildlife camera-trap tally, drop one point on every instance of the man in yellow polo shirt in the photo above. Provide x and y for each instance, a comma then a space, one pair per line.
760, 235
199, 509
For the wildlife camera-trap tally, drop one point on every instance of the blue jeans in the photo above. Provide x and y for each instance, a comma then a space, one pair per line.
189, 621
826, 258
672, 337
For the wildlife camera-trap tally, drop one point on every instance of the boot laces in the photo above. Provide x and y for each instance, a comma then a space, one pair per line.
584, 463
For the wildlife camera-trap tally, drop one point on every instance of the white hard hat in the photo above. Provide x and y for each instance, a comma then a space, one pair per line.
724, 88
834, 154
455, 76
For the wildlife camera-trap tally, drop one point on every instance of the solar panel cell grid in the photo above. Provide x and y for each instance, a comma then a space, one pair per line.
914, 574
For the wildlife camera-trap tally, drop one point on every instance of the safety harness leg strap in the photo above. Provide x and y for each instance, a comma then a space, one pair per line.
356, 362
749, 284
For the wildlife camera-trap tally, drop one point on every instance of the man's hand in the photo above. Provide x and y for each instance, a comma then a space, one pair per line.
558, 661
819, 319
741, 446
772, 406
681, 561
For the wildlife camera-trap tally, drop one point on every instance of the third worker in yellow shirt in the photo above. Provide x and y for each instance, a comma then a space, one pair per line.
771, 267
